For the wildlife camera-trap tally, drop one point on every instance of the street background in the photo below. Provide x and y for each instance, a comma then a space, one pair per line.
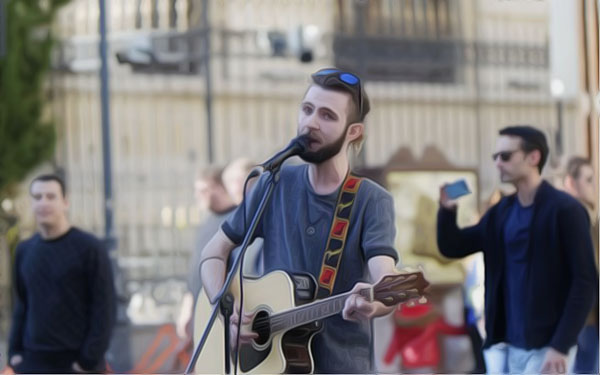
191, 83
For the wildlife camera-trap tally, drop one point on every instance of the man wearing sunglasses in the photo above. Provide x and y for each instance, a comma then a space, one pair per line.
540, 278
296, 224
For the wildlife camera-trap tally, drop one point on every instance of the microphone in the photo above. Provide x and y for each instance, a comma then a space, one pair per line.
296, 147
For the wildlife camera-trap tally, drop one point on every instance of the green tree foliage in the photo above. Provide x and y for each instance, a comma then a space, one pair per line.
26, 139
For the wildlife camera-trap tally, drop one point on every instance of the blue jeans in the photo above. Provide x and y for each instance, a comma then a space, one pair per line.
504, 358
586, 361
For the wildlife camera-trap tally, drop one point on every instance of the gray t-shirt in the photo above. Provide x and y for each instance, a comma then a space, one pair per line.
205, 232
295, 228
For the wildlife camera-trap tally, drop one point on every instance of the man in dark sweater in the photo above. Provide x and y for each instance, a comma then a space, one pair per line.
65, 301
540, 278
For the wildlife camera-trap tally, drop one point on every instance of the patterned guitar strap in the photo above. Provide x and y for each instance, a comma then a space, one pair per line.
337, 235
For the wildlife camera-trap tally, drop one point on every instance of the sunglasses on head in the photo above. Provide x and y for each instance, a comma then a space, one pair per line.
504, 155
347, 78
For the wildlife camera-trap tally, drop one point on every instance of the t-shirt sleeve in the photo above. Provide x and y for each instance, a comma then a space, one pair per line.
235, 225
379, 230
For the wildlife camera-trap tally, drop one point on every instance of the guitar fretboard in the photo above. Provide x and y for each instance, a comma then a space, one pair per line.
309, 313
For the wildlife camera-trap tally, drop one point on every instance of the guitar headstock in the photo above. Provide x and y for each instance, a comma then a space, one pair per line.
394, 289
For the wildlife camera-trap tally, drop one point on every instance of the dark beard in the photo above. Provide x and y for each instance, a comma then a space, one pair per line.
324, 153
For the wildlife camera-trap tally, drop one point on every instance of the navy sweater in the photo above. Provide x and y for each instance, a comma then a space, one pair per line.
65, 299
562, 277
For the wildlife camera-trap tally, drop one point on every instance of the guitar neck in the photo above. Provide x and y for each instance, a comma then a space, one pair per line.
305, 314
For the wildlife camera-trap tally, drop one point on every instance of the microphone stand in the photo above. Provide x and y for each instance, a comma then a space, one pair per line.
270, 186
227, 307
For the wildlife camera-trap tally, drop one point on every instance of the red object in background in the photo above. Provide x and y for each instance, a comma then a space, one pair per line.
418, 345
406, 312
404, 334
156, 356
421, 352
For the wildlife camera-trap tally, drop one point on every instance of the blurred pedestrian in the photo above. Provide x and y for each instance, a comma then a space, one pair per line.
212, 196
234, 176
65, 300
579, 182
540, 279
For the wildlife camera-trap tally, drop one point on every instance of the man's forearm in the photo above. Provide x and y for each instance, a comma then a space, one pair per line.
213, 263
212, 272
15, 345
102, 318
379, 267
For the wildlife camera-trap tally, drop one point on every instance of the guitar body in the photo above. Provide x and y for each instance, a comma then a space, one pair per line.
287, 352
284, 328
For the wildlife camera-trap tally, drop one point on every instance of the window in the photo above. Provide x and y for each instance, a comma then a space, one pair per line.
401, 40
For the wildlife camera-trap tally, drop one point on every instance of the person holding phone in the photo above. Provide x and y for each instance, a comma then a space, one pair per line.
540, 278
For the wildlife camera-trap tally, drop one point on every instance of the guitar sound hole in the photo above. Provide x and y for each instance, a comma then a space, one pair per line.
262, 326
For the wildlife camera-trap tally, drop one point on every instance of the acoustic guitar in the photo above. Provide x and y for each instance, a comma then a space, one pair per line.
284, 325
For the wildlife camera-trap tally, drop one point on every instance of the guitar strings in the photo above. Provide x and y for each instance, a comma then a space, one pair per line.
264, 323
273, 322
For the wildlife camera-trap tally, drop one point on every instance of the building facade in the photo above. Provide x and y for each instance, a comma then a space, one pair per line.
439, 72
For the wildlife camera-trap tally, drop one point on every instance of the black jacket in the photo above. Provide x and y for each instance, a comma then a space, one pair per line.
563, 280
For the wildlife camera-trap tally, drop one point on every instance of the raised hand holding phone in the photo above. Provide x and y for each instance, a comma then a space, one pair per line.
453, 191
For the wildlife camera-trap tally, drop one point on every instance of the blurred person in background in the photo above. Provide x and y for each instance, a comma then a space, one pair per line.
296, 224
65, 300
212, 197
540, 278
579, 182
234, 176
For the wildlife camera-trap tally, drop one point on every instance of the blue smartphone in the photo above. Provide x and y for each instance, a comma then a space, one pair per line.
457, 189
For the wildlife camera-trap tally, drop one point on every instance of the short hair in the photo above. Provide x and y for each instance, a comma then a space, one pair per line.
357, 92
211, 173
531, 139
241, 163
574, 166
51, 177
